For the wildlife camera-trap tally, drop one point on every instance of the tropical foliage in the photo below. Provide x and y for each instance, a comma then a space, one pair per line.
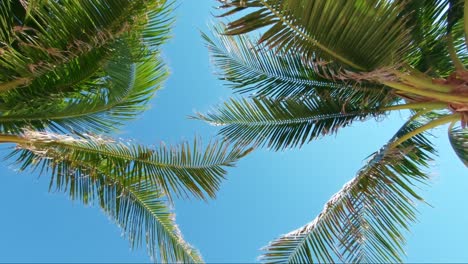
318, 66
71, 71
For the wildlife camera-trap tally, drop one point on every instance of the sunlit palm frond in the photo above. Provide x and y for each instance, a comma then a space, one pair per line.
459, 140
7, 14
158, 23
94, 88
123, 181
364, 222
434, 27
284, 123
181, 170
251, 68
362, 35
122, 94
60, 37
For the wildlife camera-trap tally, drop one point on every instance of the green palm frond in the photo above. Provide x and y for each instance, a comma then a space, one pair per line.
61, 38
126, 182
287, 123
456, 38
251, 68
435, 26
158, 24
458, 139
122, 94
363, 35
364, 221
7, 14
181, 170
93, 86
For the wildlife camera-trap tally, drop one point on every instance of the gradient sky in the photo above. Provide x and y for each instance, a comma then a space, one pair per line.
266, 195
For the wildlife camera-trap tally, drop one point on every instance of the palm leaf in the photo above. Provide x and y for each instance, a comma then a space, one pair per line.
179, 170
57, 34
286, 123
130, 181
80, 167
435, 25
363, 35
93, 89
458, 139
252, 68
124, 93
7, 16
363, 222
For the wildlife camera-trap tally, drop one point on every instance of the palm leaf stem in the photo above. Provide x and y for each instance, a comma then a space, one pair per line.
423, 81
443, 97
430, 125
424, 105
5, 138
112, 154
452, 125
311, 40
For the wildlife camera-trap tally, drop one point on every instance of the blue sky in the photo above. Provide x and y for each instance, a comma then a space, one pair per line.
266, 195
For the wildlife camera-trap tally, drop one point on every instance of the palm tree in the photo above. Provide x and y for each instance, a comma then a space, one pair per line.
71, 72
320, 65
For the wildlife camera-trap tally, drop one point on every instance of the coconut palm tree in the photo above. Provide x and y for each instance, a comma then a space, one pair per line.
320, 65
70, 73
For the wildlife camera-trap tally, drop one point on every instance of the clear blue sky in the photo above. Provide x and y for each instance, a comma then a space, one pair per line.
266, 195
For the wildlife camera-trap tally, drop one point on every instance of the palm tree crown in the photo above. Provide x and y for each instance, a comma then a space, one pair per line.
318, 66
73, 70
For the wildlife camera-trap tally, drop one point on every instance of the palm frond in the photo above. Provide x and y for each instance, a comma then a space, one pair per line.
7, 15
158, 24
458, 137
435, 26
59, 33
97, 171
364, 221
363, 35
181, 170
286, 123
122, 94
252, 68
